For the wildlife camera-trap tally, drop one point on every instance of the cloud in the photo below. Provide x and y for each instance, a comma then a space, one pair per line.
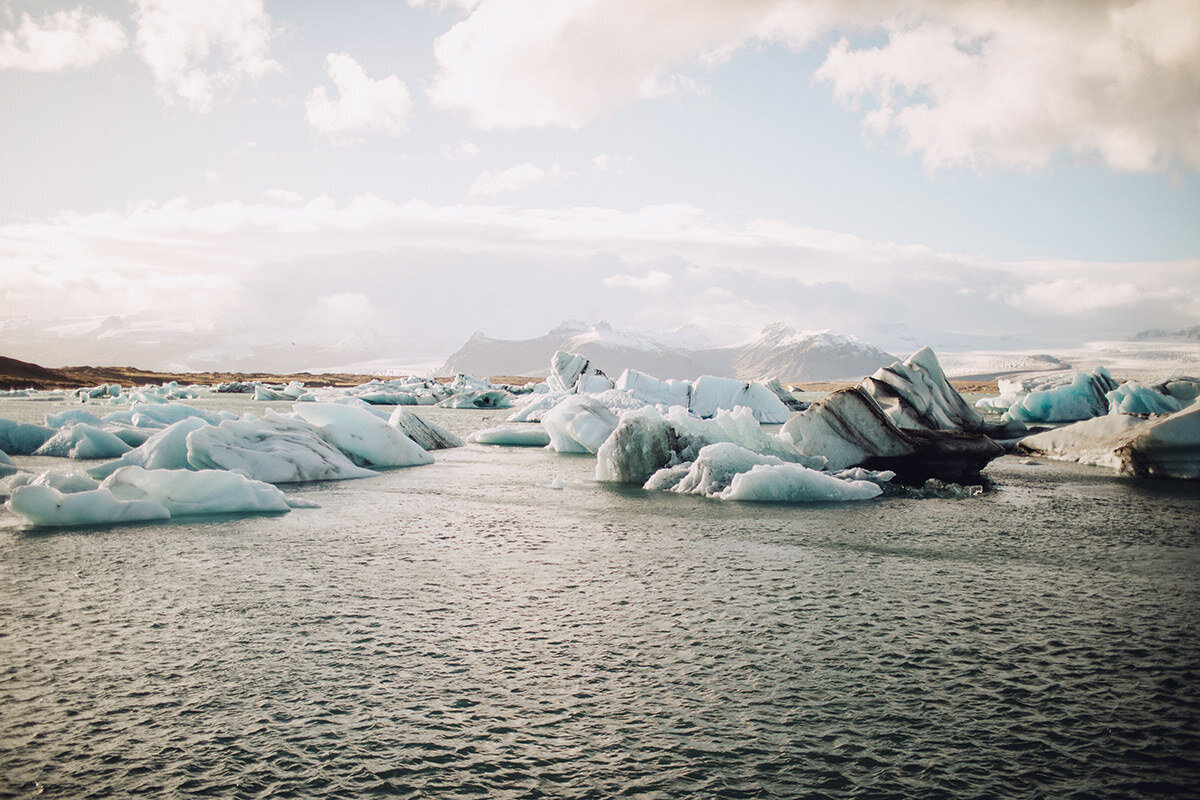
362, 103
517, 177
653, 281
975, 83
195, 47
610, 163
463, 151
61, 41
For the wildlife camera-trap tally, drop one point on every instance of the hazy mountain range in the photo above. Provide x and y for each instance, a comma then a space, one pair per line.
778, 352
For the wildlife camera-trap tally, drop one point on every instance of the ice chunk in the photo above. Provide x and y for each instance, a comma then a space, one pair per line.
653, 391
537, 407
1086, 396
915, 394
850, 429
82, 441
63, 481
7, 467
1167, 447
47, 506
73, 416
482, 398
578, 424
710, 393
574, 373
1091, 441
204, 492
713, 470
519, 434
275, 449
367, 439
647, 440
785, 395
427, 434
1134, 398
22, 438
159, 416
792, 483
166, 449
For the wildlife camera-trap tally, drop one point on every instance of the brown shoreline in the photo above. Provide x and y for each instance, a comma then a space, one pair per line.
16, 374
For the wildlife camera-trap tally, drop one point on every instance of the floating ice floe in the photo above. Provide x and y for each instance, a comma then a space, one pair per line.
578, 424
22, 438
730, 472
849, 428
479, 398
81, 440
275, 449
517, 434
915, 394
368, 440
427, 434
647, 440
47, 506
166, 449
203, 492
1153, 447
711, 394
1086, 396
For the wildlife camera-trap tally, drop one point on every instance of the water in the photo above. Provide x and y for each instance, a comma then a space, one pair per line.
465, 630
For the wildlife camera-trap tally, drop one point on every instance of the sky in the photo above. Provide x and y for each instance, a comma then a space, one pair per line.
289, 185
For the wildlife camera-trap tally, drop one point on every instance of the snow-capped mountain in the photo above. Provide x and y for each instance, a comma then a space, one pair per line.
778, 352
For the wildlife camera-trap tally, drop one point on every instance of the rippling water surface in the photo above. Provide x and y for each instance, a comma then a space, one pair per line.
464, 630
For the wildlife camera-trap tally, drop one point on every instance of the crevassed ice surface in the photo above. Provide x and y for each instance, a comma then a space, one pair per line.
464, 630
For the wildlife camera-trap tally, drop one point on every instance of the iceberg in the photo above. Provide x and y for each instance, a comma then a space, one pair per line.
83, 441
574, 373
7, 467
849, 428
166, 449
730, 472
915, 394
274, 449
480, 398
646, 441
367, 439
653, 391
1134, 398
1149, 447
710, 394
22, 438
425, 433
203, 492
578, 424
1086, 396
793, 483
518, 434
47, 506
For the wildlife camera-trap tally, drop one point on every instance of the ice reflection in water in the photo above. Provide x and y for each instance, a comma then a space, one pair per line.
463, 630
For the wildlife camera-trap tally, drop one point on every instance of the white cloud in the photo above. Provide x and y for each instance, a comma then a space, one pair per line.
518, 176
61, 41
194, 47
463, 151
362, 103
610, 163
412, 261
974, 82
653, 281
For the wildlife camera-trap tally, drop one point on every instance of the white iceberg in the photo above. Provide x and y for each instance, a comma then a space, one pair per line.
1086, 396
792, 483
166, 449
578, 424
83, 441
711, 394
274, 449
653, 391
729, 472
22, 438
518, 434
428, 435
360, 434
480, 398
570, 372
1135, 398
47, 506
916, 394
7, 467
203, 492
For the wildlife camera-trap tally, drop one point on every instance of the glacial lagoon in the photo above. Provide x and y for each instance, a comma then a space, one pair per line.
467, 629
